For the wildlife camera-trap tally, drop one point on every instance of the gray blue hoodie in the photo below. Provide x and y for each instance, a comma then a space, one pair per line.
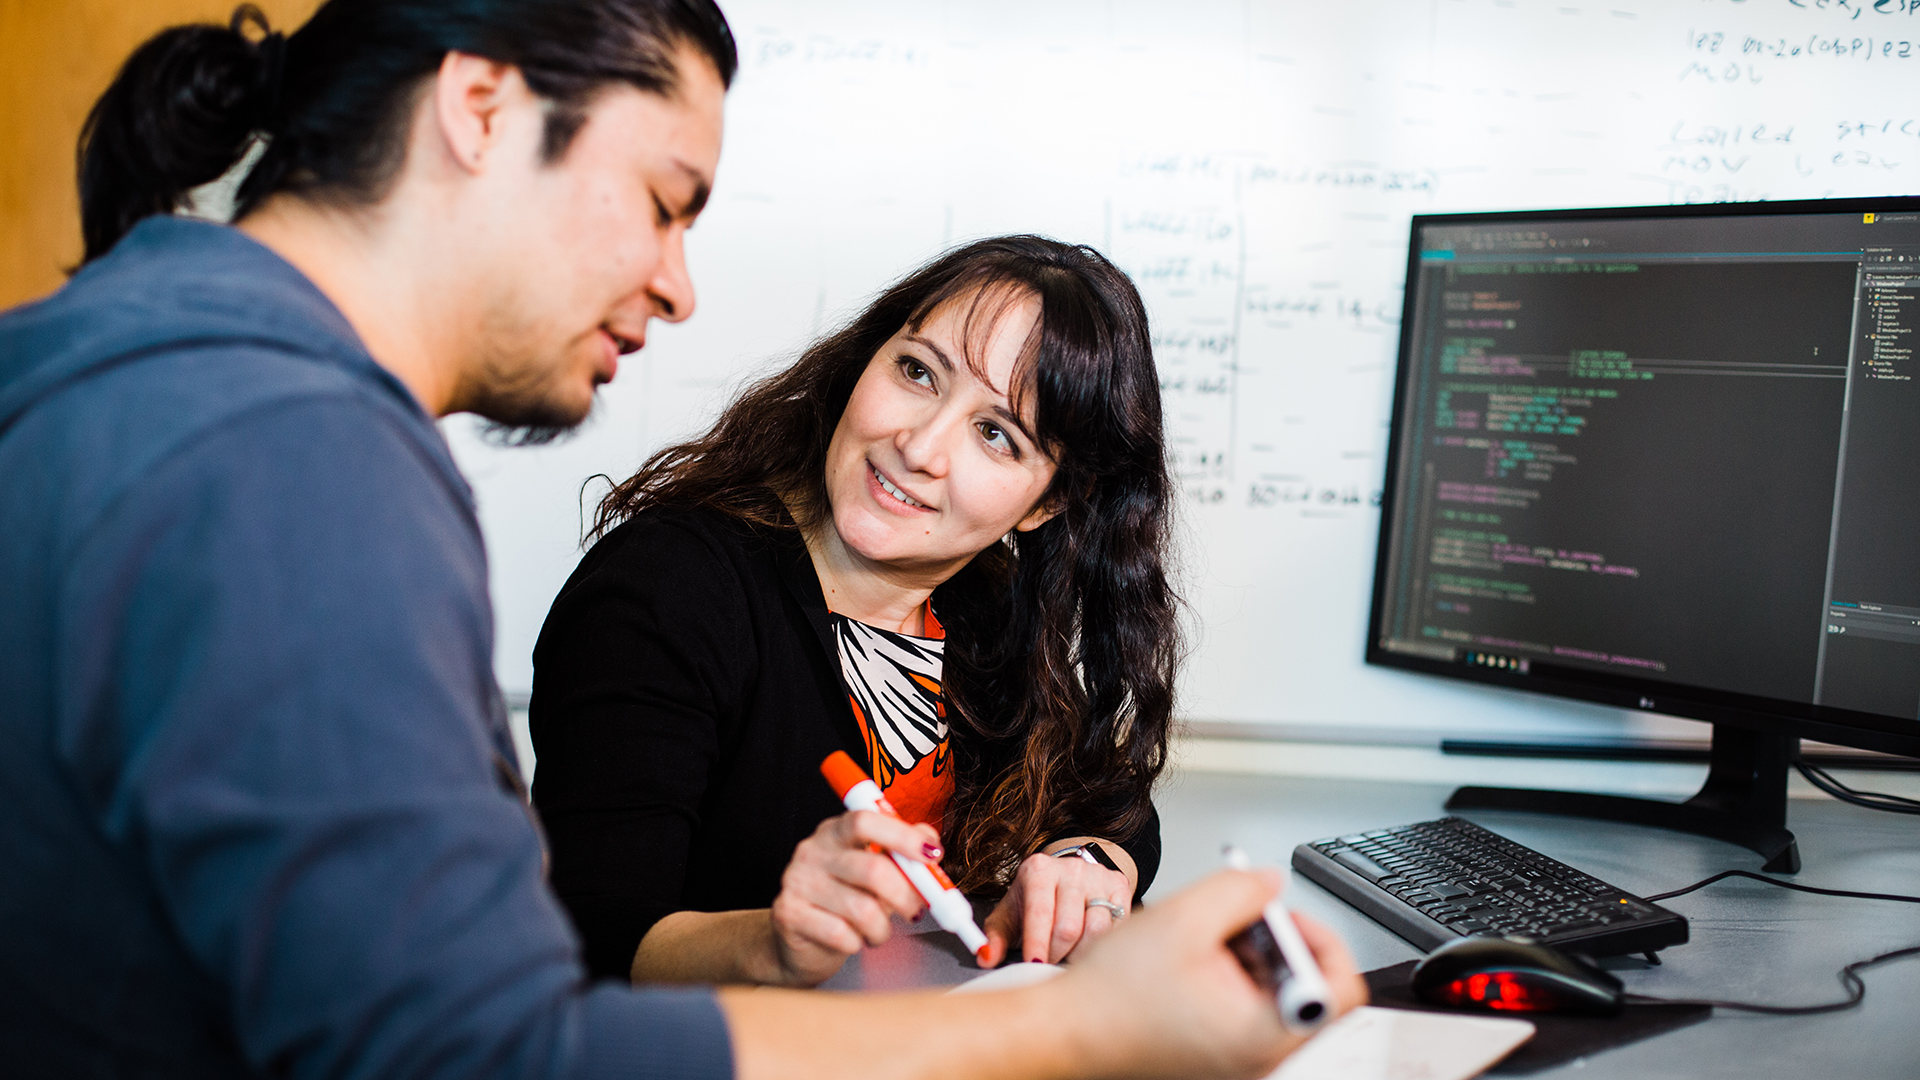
257, 814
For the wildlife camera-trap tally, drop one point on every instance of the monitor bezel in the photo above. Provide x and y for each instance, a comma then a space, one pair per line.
1844, 727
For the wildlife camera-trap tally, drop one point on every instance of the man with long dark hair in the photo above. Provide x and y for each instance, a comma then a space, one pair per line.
256, 791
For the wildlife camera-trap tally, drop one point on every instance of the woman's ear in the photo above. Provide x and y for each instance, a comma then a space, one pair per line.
1038, 516
1051, 506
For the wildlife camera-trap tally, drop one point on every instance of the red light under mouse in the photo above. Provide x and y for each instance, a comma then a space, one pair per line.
1508, 975
1501, 990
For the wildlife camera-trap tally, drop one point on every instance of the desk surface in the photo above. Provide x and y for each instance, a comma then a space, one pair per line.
1750, 942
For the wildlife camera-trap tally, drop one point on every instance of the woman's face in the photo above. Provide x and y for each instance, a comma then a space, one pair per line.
929, 464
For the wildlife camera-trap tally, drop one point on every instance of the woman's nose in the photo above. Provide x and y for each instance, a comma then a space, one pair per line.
923, 446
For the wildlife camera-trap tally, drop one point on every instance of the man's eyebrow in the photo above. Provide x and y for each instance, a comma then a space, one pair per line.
701, 189
1013, 421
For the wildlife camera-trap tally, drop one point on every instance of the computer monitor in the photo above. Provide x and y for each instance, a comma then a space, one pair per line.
1666, 458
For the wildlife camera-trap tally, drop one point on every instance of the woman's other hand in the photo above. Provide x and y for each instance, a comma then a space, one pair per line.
838, 895
1046, 914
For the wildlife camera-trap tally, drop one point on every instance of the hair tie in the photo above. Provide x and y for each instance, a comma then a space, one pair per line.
271, 54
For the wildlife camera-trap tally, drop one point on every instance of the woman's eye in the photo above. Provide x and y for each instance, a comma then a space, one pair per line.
996, 437
915, 371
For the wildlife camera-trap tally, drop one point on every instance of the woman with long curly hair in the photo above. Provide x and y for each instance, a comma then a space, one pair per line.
938, 542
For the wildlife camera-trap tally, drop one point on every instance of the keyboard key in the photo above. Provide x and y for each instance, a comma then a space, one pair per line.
1362, 865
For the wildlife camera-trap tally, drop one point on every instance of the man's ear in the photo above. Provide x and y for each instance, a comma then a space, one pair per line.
470, 99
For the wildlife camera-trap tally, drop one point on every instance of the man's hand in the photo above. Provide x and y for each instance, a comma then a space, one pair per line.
1165, 996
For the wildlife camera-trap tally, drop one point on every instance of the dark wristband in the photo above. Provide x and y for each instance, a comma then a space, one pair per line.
1092, 852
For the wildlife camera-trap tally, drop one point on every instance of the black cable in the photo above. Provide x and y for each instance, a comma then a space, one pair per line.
1826, 782
1795, 886
1872, 800
1849, 976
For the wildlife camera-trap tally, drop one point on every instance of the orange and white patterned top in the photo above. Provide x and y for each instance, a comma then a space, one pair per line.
894, 684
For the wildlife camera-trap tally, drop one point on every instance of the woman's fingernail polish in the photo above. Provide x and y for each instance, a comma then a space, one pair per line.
931, 851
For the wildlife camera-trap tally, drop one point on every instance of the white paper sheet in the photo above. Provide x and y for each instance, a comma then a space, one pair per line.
1371, 1043
1009, 977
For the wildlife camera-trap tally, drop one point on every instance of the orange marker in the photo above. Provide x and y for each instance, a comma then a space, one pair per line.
950, 909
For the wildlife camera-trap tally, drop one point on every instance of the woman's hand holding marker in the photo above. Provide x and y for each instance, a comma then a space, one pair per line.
839, 892
920, 869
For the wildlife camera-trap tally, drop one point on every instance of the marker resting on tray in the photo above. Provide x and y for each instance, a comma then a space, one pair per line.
950, 909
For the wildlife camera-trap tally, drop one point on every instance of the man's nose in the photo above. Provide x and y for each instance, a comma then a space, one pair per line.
672, 284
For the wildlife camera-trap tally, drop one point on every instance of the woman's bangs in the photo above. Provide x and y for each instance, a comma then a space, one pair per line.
989, 294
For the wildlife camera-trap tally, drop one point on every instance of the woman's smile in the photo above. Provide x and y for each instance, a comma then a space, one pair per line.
890, 495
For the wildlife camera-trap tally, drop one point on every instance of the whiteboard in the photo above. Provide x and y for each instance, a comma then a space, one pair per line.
1253, 166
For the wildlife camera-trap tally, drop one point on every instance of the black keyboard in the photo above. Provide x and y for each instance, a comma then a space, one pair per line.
1439, 880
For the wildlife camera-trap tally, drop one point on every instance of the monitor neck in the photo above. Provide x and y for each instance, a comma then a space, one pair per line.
1743, 801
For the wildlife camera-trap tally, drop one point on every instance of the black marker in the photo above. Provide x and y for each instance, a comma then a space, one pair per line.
1273, 953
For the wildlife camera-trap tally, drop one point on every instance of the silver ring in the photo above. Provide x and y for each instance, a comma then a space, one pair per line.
1111, 908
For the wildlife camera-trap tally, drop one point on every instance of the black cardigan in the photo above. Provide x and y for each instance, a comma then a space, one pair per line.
685, 691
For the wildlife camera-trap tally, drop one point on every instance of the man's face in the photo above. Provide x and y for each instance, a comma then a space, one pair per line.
588, 248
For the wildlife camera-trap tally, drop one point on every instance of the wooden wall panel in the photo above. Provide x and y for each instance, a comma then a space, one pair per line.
56, 57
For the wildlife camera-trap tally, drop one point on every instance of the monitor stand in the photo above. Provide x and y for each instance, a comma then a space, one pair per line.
1744, 800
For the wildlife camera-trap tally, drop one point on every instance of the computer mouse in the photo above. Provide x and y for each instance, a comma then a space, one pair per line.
1514, 974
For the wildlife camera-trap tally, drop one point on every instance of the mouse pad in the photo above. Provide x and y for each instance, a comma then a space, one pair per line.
1557, 1038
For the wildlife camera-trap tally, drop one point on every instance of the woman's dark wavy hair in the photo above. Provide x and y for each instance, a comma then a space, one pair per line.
1062, 641
335, 98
